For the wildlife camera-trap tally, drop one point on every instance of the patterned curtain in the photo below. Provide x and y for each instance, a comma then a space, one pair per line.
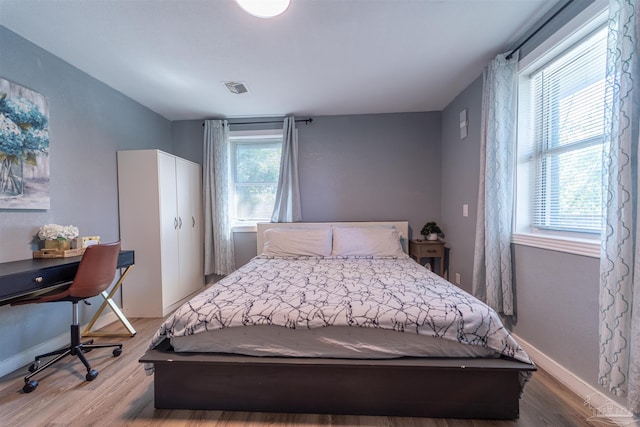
287, 206
620, 256
218, 239
492, 282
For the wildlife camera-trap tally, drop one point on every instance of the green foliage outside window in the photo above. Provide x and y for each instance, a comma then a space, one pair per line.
256, 171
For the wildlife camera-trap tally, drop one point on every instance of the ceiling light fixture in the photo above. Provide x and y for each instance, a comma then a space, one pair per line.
264, 8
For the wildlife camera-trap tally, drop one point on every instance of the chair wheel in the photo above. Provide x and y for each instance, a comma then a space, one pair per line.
117, 352
34, 366
30, 386
91, 375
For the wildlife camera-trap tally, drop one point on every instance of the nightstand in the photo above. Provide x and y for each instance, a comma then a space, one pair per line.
419, 249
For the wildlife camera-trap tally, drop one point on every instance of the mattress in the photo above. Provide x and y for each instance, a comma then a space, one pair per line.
334, 342
364, 307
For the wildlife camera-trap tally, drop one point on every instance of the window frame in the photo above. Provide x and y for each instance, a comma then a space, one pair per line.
247, 137
579, 243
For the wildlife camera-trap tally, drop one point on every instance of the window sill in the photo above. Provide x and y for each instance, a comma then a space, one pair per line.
584, 247
245, 228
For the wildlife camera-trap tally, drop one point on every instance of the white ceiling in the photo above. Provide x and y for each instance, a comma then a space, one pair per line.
321, 57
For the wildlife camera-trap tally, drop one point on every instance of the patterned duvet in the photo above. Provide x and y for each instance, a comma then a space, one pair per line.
305, 292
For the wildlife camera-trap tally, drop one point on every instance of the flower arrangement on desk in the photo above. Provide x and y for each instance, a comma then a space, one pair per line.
57, 236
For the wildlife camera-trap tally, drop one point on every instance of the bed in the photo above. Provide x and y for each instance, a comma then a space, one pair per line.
336, 318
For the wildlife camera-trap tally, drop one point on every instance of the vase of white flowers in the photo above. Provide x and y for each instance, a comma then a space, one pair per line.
61, 245
58, 236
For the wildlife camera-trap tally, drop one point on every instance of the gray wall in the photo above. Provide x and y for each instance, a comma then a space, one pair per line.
371, 167
356, 168
557, 299
460, 171
188, 137
89, 121
557, 293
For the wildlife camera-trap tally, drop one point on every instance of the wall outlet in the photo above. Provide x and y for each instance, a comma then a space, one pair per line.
457, 278
465, 210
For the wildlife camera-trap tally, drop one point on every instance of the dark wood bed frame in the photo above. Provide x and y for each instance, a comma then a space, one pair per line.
418, 387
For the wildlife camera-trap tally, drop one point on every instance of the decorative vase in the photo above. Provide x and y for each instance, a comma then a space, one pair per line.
11, 176
61, 245
432, 236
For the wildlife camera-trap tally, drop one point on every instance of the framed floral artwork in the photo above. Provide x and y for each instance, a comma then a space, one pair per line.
24, 148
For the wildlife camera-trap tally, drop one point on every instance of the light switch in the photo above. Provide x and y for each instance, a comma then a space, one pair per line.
465, 210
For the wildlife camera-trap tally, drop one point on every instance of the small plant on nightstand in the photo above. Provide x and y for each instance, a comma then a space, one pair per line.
431, 231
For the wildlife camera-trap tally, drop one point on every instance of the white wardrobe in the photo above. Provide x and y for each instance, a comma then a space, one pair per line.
160, 208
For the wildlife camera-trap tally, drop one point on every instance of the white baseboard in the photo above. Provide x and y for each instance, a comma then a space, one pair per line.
604, 409
21, 359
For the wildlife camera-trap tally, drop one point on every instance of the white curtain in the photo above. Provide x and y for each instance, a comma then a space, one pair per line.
218, 238
492, 281
619, 368
287, 207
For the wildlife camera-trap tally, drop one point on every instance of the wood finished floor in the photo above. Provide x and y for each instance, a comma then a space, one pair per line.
122, 395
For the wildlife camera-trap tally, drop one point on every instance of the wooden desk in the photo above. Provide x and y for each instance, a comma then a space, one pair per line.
33, 277
419, 249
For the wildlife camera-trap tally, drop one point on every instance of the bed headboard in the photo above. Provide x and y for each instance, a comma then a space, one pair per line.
401, 226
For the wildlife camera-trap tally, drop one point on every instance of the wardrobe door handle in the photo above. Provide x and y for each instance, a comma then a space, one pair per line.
193, 222
175, 223
180, 223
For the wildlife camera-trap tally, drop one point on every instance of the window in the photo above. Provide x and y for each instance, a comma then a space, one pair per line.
255, 166
560, 141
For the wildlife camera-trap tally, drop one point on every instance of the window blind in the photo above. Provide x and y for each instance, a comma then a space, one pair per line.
568, 106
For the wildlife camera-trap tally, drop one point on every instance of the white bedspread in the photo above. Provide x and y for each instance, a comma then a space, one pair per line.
394, 294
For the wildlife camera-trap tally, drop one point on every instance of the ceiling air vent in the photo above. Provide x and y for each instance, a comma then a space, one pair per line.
236, 87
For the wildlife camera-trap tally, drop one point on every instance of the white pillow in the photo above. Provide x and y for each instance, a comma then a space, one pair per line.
366, 241
297, 241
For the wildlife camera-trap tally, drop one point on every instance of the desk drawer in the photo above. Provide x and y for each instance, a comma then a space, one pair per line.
23, 283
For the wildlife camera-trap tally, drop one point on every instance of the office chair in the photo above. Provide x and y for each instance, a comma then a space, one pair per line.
95, 273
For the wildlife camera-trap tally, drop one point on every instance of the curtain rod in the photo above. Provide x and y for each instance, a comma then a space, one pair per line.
306, 121
544, 24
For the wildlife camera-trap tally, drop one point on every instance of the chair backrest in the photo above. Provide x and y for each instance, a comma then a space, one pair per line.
96, 271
